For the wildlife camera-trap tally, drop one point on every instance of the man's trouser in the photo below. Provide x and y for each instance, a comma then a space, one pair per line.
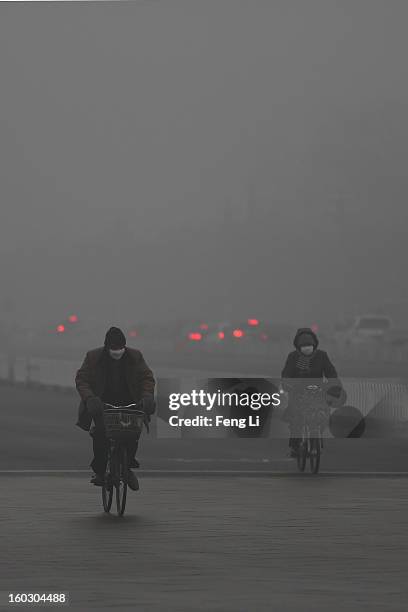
101, 448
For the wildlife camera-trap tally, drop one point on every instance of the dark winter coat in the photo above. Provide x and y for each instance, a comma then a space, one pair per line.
319, 365
91, 379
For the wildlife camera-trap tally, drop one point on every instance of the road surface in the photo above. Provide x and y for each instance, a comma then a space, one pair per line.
210, 544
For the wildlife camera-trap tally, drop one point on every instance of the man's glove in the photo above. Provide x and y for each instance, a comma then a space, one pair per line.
94, 406
148, 405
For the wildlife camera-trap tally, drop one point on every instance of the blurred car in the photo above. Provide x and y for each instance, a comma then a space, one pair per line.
365, 329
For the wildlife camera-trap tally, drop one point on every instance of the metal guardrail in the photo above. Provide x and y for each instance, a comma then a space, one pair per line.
384, 399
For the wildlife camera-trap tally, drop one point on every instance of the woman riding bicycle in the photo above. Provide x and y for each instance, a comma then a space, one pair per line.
306, 362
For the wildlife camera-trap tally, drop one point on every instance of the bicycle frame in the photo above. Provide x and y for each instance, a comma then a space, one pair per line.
311, 433
122, 423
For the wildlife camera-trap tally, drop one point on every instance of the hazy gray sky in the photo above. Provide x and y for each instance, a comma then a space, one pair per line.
174, 158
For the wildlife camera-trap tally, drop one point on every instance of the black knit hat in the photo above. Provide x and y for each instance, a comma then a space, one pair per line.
305, 336
115, 338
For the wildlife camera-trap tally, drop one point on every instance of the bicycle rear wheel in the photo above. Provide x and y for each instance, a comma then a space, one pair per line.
121, 484
314, 455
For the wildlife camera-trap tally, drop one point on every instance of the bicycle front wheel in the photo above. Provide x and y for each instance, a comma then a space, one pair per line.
314, 455
107, 489
107, 494
121, 484
301, 455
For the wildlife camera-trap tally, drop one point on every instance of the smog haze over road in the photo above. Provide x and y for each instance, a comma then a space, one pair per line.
228, 158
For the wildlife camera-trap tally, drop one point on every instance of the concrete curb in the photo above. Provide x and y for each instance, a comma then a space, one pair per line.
210, 474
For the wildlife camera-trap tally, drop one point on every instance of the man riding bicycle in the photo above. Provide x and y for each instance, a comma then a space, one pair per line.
118, 375
306, 362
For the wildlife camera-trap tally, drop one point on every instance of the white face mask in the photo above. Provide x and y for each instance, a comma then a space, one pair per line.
307, 350
116, 354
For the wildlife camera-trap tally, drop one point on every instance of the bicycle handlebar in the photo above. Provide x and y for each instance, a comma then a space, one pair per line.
130, 407
120, 406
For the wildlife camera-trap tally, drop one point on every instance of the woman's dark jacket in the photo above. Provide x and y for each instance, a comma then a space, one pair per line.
319, 363
320, 366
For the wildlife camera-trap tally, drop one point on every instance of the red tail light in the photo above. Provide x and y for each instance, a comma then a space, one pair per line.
60, 329
253, 322
194, 336
238, 333
221, 335
73, 318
